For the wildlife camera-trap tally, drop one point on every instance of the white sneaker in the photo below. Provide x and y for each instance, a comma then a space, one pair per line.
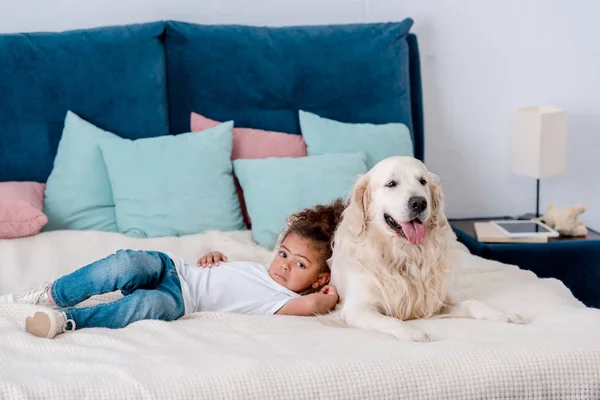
48, 324
38, 296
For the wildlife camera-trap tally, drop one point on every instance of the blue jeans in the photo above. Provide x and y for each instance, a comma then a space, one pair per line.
147, 279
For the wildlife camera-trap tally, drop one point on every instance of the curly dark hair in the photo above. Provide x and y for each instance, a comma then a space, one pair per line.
318, 224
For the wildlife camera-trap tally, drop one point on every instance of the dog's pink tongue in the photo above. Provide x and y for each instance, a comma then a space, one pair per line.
414, 231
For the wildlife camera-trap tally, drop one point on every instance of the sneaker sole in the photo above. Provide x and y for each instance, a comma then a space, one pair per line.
38, 325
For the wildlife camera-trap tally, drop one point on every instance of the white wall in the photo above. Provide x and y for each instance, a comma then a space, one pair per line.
480, 61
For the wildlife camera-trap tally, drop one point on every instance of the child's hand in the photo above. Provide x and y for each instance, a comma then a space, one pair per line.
330, 297
211, 259
328, 289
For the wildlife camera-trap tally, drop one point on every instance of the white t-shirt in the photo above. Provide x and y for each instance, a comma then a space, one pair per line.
239, 287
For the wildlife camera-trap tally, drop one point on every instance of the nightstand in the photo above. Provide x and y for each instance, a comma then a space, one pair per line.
575, 261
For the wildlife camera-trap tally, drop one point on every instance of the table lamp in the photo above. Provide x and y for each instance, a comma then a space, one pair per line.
539, 145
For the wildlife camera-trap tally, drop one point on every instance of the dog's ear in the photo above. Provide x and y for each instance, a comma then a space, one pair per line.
359, 201
438, 216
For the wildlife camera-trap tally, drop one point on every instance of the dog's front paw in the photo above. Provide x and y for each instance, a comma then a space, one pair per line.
410, 335
516, 319
419, 336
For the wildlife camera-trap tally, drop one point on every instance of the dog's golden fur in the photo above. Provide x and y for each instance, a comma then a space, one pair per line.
381, 277
412, 280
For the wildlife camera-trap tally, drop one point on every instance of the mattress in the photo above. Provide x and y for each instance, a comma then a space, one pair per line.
220, 356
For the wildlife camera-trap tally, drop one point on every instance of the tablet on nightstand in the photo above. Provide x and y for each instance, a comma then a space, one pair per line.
520, 228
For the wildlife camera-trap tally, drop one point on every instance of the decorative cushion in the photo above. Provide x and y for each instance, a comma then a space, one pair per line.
21, 209
114, 77
174, 185
275, 188
261, 76
78, 192
323, 135
254, 143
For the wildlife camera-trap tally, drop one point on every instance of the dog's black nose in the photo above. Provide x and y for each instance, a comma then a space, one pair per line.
417, 204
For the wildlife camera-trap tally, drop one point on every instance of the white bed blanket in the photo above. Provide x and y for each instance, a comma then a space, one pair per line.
219, 356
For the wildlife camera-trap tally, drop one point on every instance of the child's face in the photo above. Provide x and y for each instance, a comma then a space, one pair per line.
297, 265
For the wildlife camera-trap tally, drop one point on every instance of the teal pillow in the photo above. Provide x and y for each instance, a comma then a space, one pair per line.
78, 193
174, 185
274, 188
378, 142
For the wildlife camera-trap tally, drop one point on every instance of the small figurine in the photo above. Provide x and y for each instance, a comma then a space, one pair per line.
564, 220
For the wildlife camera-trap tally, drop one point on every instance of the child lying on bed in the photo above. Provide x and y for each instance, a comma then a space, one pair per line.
161, 286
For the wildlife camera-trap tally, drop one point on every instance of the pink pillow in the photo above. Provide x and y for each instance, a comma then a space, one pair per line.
21, 209
254, 143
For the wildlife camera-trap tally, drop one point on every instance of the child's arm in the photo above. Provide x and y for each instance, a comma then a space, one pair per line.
212, 258
311, 304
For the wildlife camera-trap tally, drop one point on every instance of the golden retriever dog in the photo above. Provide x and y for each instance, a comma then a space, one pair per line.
394, 253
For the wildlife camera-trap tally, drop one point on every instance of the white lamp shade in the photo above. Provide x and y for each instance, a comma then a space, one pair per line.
540, 142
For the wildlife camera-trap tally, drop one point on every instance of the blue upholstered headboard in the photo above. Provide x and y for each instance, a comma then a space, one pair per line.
144, 80
416, 97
